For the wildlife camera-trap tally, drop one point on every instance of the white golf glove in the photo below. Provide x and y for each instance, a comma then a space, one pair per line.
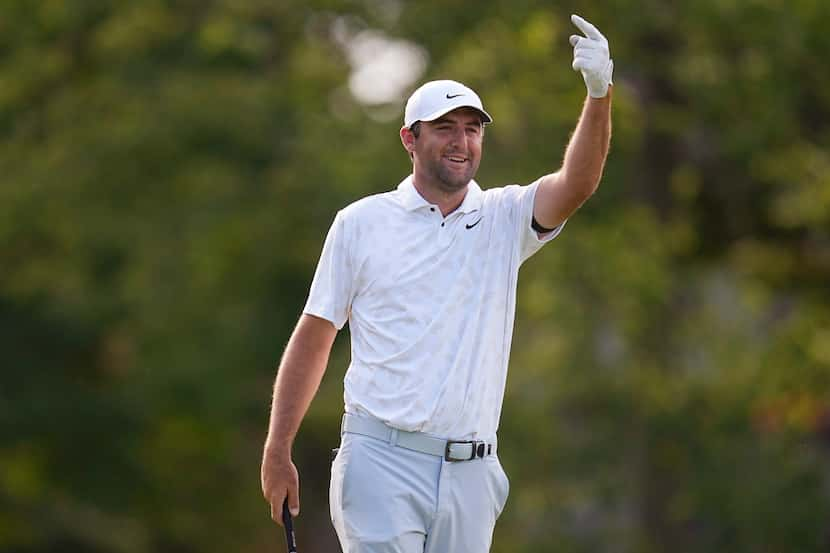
592, 58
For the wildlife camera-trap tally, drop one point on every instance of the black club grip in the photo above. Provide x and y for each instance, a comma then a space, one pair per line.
288, 524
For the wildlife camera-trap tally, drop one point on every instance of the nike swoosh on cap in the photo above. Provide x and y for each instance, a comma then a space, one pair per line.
450, 97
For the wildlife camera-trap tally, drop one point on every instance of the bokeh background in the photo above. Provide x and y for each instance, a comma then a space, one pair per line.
168, 171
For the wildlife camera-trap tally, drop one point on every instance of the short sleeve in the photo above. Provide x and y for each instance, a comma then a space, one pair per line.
531, 241
331, 291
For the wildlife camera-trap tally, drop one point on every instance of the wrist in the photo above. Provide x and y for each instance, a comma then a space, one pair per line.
598, 94
279, 449
599, 83
603, 96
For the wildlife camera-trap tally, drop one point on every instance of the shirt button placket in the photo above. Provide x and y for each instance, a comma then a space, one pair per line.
444, 233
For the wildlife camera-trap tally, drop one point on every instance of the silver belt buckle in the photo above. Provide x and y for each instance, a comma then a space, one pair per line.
477, 449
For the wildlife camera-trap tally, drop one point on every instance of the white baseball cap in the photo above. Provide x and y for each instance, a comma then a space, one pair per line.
436, 98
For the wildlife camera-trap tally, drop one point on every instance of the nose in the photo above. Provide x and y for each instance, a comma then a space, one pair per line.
459, 137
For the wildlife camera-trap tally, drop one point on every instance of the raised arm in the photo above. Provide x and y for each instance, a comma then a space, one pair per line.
561, 193
298, 379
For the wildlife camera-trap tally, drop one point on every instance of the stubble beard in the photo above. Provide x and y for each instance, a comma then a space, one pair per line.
449, 181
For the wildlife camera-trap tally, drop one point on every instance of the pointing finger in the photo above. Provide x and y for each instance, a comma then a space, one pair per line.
587, 28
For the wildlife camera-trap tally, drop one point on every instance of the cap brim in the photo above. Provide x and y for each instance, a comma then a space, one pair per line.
485, 117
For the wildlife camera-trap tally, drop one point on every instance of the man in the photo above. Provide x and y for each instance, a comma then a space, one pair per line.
426, 276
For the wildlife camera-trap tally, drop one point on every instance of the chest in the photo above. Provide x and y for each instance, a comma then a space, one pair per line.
425, 255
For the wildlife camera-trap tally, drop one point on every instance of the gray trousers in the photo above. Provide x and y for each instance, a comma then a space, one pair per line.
388, 499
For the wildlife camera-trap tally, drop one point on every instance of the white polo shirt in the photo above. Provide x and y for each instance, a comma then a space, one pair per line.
430, 303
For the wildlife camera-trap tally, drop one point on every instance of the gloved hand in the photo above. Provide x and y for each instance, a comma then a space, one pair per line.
592, 58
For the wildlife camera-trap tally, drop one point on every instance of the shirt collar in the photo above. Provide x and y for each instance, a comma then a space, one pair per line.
411, 199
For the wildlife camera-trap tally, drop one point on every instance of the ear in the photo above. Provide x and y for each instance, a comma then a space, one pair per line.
408, 139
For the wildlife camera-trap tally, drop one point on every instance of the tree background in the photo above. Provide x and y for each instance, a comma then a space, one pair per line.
168, 171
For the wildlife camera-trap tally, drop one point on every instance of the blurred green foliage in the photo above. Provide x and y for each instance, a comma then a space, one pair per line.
168, 171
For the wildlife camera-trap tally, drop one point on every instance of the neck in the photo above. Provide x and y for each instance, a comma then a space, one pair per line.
446, 200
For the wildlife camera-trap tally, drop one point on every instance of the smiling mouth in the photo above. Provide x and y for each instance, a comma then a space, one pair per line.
456, 159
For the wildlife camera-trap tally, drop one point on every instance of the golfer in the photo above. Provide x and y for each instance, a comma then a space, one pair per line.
426, 277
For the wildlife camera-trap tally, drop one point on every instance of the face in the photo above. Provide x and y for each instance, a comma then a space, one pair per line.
447, 151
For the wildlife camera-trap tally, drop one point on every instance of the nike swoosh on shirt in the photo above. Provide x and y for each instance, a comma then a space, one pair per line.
474, 224
450, 97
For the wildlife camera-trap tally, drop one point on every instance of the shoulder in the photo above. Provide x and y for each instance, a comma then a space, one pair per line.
510, 193
369, 206
500, 191
365, 216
